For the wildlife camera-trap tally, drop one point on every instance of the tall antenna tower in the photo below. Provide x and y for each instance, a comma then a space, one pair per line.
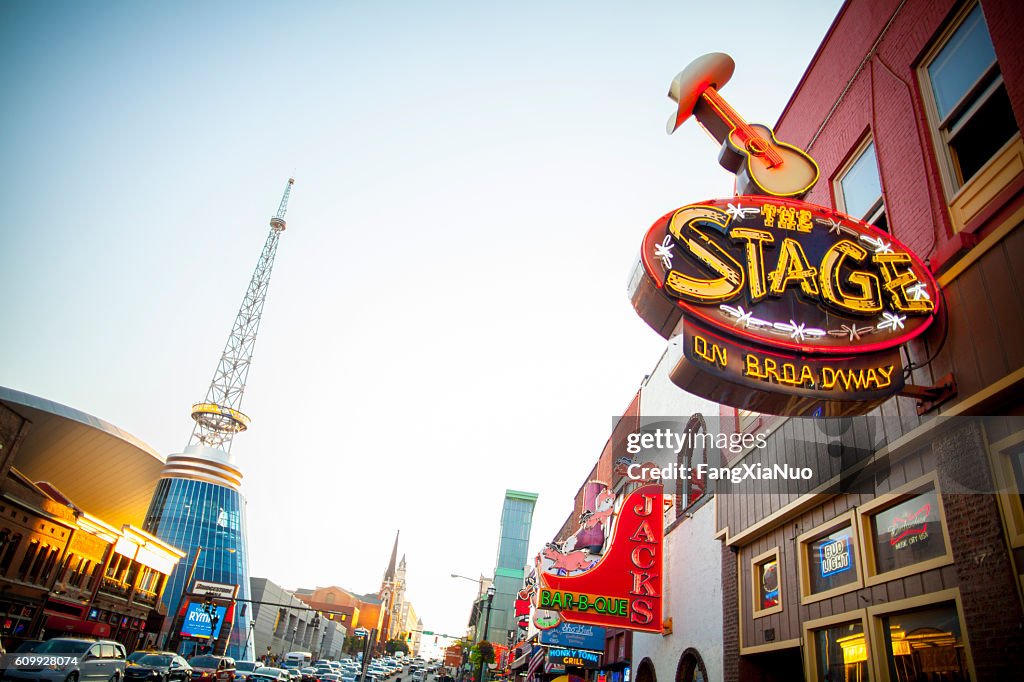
198, 504
219, 417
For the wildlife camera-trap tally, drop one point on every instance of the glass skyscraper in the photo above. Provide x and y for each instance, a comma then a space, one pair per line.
198, 506
513, 551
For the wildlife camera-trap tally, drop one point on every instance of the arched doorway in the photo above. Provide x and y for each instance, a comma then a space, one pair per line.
645, 671
691, 667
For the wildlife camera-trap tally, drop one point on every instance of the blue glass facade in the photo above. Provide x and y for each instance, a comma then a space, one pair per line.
190, 514
513, 551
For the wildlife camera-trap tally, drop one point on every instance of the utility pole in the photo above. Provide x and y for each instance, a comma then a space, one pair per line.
487, 624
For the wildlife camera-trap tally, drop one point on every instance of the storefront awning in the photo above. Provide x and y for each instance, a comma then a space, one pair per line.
79, 627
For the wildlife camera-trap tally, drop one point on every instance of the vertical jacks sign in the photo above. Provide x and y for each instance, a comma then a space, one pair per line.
622, 588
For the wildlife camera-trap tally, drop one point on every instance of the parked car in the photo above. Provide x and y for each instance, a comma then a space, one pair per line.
28, 646
159, 666
212, 668
78, 660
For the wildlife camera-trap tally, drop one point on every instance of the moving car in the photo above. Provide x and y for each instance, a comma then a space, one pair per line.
244, 668
78, 660
158, 666
212, 668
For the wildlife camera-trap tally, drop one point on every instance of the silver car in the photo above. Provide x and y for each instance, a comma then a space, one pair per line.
71, 660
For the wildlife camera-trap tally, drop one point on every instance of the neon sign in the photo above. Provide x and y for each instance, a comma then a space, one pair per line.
782, 306
910, 528
621, 588
835, 556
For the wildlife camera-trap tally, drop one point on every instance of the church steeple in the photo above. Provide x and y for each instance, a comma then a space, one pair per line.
389, 575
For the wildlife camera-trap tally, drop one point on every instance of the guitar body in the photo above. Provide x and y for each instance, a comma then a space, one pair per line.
792, 178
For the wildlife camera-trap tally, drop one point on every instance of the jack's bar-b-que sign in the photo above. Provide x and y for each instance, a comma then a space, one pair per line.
623, 588
782, 306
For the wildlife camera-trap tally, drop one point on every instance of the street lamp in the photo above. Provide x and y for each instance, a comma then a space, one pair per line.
487, 624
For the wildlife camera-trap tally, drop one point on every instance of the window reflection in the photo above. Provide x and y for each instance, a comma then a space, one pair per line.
925, 645
842, 653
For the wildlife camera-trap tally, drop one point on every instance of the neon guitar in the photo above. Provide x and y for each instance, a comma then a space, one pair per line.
762, 164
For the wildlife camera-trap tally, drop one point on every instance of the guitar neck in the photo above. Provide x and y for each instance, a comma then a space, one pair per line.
736, 123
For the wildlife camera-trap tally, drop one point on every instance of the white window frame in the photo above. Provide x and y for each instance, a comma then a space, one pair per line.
877, 209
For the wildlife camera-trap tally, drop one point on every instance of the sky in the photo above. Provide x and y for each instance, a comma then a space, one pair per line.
447, 316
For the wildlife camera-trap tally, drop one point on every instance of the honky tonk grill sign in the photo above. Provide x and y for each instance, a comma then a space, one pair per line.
785, 306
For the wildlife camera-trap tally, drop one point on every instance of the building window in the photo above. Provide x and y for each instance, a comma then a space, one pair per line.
767, 592
970, 109
8, 546
26, 562
828, 559
925, 643
690, 490
859, 188
905, 531
840, 653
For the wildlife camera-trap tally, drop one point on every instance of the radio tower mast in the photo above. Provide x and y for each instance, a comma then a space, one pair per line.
219, 417
198, 504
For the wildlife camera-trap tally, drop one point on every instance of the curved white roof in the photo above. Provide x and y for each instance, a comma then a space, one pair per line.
102, 469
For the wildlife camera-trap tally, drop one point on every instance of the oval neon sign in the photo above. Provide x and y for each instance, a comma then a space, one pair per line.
787, 274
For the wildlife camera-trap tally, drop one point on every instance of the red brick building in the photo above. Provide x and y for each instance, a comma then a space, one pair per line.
909, 564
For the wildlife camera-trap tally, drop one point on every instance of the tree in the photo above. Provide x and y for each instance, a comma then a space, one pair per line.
353, 644
394, 645
483, 650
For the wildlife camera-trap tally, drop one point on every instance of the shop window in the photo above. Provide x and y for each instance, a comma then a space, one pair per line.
829, 559
765, 580
970, 112
905, 532
925, 643
841, 652
859, 188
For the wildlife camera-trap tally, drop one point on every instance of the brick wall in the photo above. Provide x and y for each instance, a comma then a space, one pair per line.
884, 96
994, 620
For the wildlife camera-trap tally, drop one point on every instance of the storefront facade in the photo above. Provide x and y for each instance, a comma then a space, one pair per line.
902, 559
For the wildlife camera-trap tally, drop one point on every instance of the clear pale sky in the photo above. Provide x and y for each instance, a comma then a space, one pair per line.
447, 316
